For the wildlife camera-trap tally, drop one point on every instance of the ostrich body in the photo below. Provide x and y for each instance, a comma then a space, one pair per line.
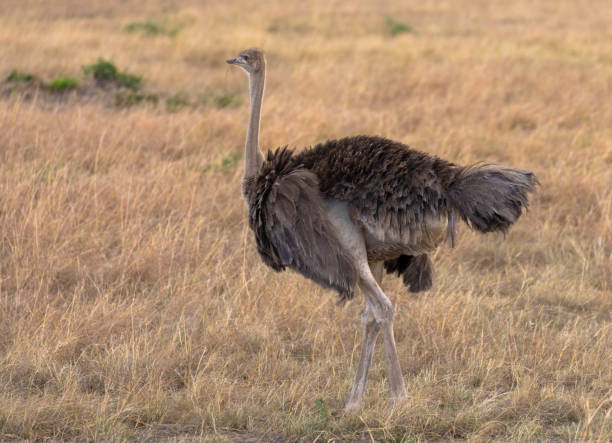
343, 211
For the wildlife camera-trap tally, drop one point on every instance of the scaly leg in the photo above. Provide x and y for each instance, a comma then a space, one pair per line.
370, 332
382, 310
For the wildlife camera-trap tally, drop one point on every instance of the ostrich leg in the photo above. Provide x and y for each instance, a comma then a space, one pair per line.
370, 332
377, 270
382, 310
378, 314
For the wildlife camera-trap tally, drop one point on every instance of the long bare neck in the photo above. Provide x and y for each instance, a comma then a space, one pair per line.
253, 158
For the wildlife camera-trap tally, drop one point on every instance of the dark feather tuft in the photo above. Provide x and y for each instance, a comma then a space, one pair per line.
416, 272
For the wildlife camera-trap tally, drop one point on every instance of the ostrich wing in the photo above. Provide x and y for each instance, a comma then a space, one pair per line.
287, 215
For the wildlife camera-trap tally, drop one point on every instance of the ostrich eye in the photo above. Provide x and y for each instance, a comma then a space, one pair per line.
246, 58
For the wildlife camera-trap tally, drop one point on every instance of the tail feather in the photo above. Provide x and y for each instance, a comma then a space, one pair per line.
490, 199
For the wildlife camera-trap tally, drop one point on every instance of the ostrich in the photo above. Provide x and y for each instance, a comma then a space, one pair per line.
344, 211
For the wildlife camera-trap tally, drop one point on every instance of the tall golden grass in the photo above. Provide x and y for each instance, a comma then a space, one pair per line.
133, 304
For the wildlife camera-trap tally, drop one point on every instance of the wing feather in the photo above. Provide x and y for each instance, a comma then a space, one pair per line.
287, 215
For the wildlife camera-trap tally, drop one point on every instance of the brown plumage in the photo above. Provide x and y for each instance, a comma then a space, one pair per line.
387, 186
343, 211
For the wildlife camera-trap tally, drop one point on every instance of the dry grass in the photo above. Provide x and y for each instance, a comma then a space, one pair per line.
133, 303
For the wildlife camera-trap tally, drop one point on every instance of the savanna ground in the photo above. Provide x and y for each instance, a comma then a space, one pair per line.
133, 304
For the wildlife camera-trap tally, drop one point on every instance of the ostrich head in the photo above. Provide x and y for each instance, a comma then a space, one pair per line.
252, 60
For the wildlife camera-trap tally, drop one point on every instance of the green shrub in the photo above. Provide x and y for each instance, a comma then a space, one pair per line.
152, 28
105, 71
394, 27
102, 70
63, 83
19, 77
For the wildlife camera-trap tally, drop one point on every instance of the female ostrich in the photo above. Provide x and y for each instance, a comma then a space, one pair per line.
341, 211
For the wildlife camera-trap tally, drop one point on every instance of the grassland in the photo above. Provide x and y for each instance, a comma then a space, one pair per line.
133, 304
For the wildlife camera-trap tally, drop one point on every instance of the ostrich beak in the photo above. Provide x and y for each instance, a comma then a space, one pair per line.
232, 61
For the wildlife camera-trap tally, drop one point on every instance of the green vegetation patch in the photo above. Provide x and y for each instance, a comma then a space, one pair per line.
221, 99
226, 163
152, 28
393, 27
177, 101
17, 76
129, 81
229, 161
105, 71
132, 98
63, 83
228, 101
280, 26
